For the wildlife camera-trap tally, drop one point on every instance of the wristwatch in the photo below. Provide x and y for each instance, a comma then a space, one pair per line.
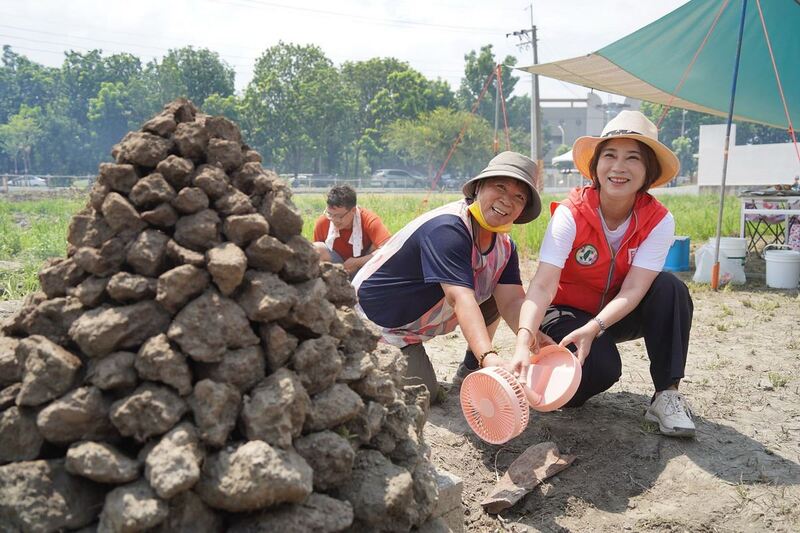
602, 326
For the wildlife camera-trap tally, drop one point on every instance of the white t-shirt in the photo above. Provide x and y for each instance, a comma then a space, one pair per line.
561, 231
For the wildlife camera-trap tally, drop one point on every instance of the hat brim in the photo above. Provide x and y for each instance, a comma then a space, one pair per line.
531, 210
584, 148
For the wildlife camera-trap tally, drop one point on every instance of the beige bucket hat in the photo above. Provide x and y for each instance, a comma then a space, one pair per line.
628, 125
516, 166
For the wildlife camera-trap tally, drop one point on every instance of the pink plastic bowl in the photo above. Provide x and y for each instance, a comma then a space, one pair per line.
494, 404
555, 378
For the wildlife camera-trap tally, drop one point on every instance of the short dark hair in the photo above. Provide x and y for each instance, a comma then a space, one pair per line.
652, 168
342, 196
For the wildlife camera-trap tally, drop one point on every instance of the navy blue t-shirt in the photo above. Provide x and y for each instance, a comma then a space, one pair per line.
408, 284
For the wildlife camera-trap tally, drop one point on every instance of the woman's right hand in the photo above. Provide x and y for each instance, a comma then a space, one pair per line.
519, 363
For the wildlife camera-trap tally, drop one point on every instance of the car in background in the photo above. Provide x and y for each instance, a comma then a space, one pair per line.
27, 181
397, 178
449, 182
315, 180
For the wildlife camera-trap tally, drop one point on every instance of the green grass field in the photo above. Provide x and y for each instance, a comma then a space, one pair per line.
32, 231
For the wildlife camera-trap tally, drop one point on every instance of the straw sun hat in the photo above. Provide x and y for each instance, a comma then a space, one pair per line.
628, 125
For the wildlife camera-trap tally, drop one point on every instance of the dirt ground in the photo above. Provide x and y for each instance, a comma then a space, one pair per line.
741, 473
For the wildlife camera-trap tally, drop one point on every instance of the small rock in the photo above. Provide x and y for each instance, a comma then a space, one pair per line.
132, 508
101, 462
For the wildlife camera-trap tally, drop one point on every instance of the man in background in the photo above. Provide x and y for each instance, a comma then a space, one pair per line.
346, 233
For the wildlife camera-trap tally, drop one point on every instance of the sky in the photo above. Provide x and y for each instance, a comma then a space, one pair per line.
431, 35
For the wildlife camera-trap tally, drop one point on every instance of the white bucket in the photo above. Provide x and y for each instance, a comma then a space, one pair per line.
783, 268
735, 248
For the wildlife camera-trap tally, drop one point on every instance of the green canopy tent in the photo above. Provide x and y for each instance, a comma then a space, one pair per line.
689, 59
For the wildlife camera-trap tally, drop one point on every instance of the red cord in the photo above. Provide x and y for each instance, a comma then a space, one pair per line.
691, 64
503, 105
778, 79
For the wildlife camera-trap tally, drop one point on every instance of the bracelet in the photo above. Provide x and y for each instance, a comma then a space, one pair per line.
482, 356
533, 335
602, 326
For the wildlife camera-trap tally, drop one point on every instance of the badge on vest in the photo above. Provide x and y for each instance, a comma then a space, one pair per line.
586, 255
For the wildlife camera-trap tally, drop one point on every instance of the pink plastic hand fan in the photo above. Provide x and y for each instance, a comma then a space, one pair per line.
494, 404
554, 378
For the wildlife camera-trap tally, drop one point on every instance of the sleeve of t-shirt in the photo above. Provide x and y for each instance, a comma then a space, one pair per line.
558, 238
446, 254
374, 228
510, 274
652, 252
321, 229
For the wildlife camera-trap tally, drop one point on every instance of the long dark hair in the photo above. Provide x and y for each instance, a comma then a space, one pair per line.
652, 168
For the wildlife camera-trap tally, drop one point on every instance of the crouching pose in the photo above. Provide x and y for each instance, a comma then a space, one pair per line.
454, 266
599, 280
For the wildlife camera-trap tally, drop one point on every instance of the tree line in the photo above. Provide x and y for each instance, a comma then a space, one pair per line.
300, 111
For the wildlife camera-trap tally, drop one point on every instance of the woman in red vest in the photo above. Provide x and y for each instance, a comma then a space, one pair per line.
599, 280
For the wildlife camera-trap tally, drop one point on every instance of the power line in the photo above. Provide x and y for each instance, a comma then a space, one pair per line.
352, 16
93, 40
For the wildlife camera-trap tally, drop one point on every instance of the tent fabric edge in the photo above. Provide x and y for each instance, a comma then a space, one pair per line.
597, 72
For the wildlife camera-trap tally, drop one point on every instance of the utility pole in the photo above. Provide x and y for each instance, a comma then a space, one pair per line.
528, 38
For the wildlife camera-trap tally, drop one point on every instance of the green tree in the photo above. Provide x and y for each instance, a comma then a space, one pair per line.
427, 140
227, 106
68, 143
519, 112
682, 146
477, 68
23, 82
288, 107
193, 73
19, 136
386, 89
118, 108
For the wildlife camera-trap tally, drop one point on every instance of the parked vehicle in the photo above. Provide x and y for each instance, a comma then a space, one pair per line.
27, 181
315, 180
392, 177
451, 183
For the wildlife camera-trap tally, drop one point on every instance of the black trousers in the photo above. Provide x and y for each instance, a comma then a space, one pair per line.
663, 318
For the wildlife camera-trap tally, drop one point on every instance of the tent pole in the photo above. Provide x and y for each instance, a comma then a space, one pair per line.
715, 269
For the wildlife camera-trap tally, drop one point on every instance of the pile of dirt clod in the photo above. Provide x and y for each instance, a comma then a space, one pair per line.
190, 366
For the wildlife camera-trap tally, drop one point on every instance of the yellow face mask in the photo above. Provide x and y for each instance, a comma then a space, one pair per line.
475, 209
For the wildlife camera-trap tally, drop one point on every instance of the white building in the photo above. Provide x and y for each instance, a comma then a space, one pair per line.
749, 165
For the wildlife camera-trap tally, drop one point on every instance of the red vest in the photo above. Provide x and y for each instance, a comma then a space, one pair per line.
593, 273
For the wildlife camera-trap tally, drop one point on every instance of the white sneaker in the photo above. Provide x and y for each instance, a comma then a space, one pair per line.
673, 414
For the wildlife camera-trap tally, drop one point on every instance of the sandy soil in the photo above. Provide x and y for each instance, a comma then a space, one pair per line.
741, 473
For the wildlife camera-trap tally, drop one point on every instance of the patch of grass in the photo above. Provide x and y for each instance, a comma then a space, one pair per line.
718, 363
767, 305
778, 380
722, 327
747, 303
16, 284
726, 311
31, 232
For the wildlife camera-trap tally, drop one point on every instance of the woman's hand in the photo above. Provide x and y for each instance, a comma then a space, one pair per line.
582, 338
519, 364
